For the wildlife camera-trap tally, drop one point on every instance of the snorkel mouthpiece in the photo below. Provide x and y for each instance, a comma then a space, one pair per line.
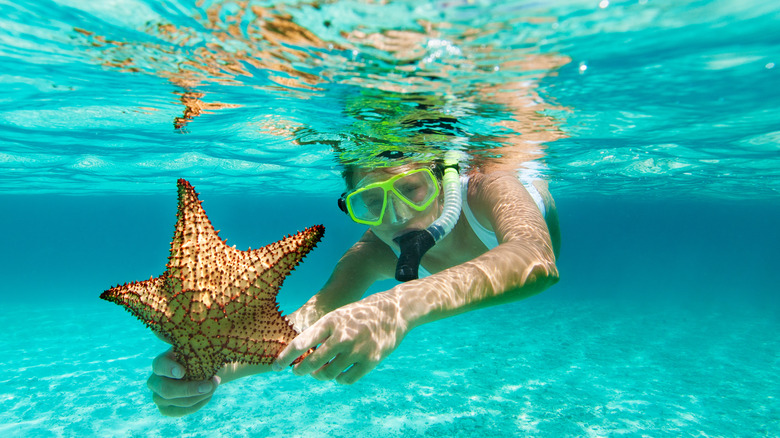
413, 245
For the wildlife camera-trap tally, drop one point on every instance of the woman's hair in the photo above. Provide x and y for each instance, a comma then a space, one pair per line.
350, 171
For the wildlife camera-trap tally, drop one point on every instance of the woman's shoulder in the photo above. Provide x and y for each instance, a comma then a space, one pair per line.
485, 185
491, 193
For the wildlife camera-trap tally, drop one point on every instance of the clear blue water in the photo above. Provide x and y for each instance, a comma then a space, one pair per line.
657, 122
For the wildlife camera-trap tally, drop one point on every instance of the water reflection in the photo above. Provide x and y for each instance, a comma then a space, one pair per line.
426, 85
218, 50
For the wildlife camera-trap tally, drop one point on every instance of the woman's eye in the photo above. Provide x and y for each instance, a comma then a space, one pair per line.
408, 188
411, 191
373, 202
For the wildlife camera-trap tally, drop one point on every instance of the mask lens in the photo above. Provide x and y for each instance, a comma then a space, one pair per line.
367, 204
417, 188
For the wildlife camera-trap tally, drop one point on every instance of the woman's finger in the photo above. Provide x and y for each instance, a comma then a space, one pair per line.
332, 369
175, 411
165, 365
322, 355
184, 402
170, 389
355, 373
307, 340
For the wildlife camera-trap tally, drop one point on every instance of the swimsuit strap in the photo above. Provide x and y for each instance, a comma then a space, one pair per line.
488, 237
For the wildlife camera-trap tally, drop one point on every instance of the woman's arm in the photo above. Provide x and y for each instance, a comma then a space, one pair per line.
367, 261
522, 265
354, 338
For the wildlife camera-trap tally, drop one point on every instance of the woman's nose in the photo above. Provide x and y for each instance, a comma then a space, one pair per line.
397, 210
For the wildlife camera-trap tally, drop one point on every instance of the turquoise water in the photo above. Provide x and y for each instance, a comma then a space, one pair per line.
656, 123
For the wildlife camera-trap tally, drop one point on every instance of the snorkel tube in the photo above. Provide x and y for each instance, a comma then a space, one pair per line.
415, 244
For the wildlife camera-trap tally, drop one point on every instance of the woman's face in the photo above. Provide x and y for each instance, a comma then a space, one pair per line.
399, 218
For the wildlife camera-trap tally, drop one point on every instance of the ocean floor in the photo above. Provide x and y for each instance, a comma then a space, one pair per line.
542, 367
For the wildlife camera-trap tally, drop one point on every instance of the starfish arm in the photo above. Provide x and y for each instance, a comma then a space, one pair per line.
144, 299
275, 261
193, 237
251, 279
253, 352
259, 339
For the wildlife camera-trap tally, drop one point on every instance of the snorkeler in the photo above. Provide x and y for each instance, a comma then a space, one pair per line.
474, 241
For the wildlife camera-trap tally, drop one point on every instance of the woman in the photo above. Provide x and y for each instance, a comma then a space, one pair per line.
501, 248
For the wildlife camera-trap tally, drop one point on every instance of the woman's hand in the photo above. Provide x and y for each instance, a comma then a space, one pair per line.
352, 340
175, 397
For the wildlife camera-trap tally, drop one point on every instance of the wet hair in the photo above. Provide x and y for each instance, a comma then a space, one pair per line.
404, 165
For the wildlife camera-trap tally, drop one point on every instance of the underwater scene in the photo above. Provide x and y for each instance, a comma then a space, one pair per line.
654, 123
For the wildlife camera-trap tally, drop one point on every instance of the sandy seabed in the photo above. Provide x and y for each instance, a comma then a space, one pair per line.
542, 367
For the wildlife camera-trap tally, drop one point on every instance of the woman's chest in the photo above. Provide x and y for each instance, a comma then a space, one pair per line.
460, 246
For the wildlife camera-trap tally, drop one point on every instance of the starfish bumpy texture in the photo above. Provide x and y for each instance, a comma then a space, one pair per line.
216, 304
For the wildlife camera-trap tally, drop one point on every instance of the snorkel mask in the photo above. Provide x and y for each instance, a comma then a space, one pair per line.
415, 189
368, 204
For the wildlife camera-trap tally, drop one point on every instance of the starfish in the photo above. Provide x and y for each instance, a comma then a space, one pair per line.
214, 303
